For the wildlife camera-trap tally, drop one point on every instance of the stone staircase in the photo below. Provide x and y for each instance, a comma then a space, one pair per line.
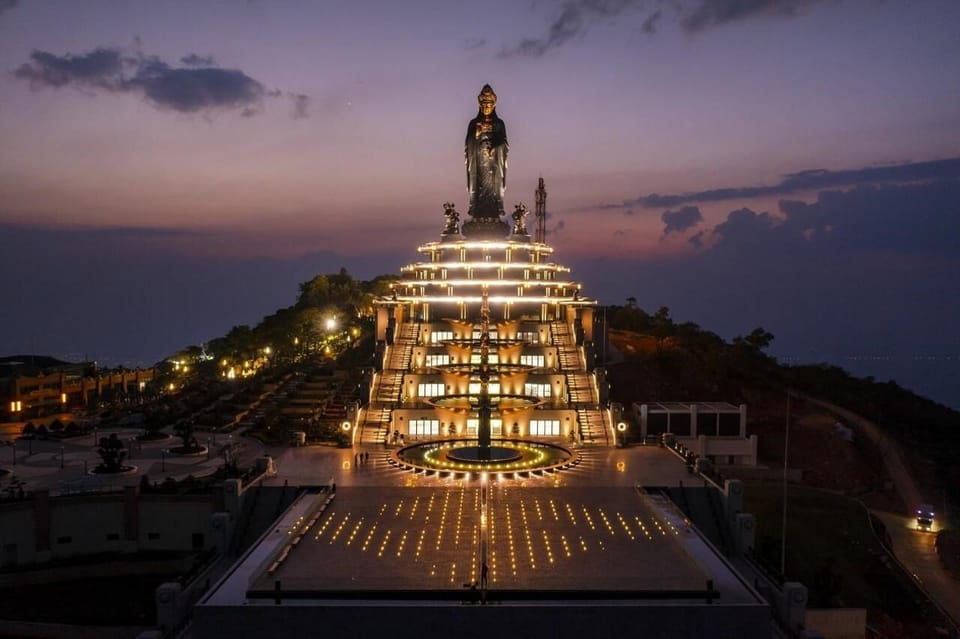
593, 426
389, 385
580, 388
567, 351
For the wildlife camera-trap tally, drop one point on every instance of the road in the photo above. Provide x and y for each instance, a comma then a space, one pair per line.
889, 452
917, 551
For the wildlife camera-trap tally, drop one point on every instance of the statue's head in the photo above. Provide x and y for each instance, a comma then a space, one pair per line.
487, 100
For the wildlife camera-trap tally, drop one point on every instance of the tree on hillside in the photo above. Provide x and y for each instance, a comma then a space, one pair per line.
662, 328
344, 292
337, 289
239, 343
758, 340
628, 318
749, 360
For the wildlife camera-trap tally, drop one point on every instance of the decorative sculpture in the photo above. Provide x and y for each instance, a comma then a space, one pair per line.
519, 219
453, 219
486, 158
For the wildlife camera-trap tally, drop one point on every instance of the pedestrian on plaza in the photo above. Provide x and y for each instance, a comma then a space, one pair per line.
366, 456
354, 460
483, 575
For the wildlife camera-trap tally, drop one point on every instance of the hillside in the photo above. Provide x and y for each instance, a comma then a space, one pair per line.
659, 360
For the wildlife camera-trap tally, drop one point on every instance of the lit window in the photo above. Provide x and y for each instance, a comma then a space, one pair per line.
425, 391
496, 427
545, 427
437, 360
439, 336
532, 360
424, 427
536, 390
493, 388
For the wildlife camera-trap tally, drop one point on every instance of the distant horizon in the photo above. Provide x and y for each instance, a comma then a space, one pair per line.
928, 375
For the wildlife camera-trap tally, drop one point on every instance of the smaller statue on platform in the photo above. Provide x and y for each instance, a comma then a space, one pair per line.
519, 216
453, 219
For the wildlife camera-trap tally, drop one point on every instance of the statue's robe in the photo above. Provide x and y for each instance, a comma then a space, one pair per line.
486, 159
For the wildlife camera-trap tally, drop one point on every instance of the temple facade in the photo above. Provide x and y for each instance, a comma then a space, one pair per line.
541, 335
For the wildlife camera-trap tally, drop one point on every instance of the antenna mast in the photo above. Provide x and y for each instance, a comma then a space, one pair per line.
541, 212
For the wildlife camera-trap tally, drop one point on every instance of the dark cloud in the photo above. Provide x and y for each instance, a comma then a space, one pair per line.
475, 43
101, 68
920, 219
714, 13
649, 25
301, 105
744, 227
558, 227
680, 220
810, 180
194, 60
6, 5
693, 16
198, 87
571, 23
872, 269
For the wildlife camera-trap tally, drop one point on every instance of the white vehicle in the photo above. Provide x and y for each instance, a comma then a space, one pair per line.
925, 517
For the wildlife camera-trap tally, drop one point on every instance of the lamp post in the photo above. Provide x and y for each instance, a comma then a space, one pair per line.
13, 447
786, 450
61, 458
163, 460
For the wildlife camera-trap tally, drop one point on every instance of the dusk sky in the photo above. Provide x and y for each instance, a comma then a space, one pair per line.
171, 169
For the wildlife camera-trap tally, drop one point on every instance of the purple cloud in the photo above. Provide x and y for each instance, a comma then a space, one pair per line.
680, 220
197, 87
